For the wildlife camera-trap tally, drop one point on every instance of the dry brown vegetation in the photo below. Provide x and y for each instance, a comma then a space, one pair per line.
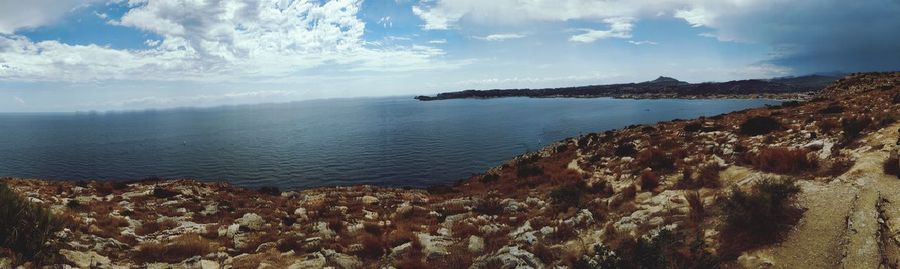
788, 161
174, 250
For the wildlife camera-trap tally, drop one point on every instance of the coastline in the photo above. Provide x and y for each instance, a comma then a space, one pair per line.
546, 208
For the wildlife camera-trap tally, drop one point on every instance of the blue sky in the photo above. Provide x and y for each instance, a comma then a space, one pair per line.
137, 54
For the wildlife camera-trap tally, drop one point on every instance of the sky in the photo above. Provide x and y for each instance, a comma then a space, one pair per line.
100, 55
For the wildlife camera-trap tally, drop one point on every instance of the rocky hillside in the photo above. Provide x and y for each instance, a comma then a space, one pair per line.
810, 184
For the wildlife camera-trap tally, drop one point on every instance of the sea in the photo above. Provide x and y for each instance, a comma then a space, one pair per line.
387, 141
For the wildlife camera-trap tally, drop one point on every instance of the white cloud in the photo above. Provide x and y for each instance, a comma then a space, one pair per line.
18, 100
386, 22
500, 37
618, 28
437, 41
16, 15
644, 42
226, 41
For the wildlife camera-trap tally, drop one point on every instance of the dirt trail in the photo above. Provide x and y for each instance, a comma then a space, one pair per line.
850, 222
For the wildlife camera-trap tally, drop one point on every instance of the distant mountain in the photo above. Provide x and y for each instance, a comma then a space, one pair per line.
662, 87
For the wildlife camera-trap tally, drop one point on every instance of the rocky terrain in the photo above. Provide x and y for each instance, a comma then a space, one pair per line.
789, 88
810, 184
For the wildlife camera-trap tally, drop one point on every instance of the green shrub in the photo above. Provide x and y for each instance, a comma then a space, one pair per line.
759, 216
567, 196
853, 127
760, 125
26, 228
626, 149
892, 166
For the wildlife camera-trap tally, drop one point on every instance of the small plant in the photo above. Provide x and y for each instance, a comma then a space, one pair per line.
489, 206
150, 227
784, 161
625, 149
892, 166
853, 127
760, 125
26, 228
832, 109
489, 177
174, 250
696, 203
649, 180
269, 190
567, 196
655, 159
759, 216
693, 127
528, 170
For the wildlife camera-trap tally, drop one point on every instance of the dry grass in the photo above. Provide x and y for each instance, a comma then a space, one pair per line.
787, 161
151, 227
655, 159
696, 203
173, 250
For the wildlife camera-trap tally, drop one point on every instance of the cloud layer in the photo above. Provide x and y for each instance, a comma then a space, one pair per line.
217, 40
803, 34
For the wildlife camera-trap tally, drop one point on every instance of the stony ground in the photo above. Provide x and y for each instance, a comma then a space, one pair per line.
546, 209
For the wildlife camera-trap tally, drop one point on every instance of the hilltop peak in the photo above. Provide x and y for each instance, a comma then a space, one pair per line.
665, 79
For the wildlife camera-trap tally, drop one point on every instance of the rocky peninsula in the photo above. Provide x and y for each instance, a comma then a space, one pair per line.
807, 184
787, 88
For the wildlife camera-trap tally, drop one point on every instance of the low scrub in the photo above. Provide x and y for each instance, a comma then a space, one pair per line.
760, 125
655, 159
26, 228
853, 127
567, 196
665, 249
707, 177
892, 166
174, 250
625, 149
759, 216
781, 160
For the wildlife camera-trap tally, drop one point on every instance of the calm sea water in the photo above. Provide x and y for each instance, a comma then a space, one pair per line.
394, 141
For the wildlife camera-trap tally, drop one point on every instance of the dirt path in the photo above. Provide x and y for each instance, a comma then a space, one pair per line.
850, 222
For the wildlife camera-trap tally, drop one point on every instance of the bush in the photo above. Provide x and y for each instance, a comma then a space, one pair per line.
693, 127
759, 216
489, 206
269, 190
696, 202
649, 180
655, 159
174, 250
626, 149
832, 109
150, 227
567, 196
760, 125
26, 228
784, 161
854, 127
526, 171
892, 166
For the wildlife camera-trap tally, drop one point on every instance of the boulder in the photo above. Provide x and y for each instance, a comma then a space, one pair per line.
207, 264
434, 246
88, 259
369, 200
252, 221
476, 244
310, 261
509, 257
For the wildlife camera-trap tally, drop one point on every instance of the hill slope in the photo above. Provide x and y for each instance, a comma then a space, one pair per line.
794, 186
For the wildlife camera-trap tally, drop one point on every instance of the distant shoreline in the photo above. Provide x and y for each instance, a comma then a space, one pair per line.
794, 88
